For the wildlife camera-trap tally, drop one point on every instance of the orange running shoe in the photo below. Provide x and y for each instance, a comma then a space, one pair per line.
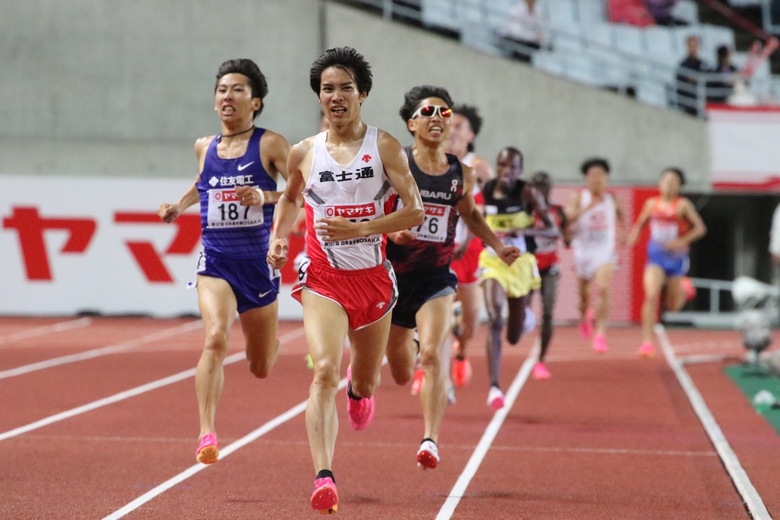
417, 381
461, 371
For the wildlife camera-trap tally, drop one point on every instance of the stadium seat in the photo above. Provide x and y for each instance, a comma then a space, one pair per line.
441, 14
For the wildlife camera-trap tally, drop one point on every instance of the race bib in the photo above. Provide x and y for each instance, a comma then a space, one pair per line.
663, 231
434, 227
225, 211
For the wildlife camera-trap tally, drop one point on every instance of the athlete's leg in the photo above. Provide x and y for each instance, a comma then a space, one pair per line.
602, 282
326, 325
515, 318
653, 281
433, 328
494, 303
401, 353
549, 292
260, 331
217, 305
675, 293
583, 303
470, 297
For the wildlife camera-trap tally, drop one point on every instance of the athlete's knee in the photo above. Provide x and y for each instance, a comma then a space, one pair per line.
326, 374
430, 360
216, 341
260, 363
363, 387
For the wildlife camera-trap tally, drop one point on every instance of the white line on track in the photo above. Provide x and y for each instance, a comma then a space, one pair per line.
102, 351
148, 387
742, 482
457, 491
223, 452
46, 329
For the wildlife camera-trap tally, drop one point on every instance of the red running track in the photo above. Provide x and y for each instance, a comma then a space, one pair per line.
99, 420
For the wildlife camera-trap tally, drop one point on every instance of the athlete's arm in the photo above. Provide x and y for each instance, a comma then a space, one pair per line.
698, 228
274, 150
170, 212
472, 216
573, 208
288, 204
641, 220
619, 221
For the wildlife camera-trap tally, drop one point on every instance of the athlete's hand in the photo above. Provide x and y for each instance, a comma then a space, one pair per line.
459, 251
676, 246
337, 228
169, 212
508, 254
250, 196
401, 237
277, 253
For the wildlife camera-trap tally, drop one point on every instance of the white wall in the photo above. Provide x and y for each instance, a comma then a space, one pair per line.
100, 87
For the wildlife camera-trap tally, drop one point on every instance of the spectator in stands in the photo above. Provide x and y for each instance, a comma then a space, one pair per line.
720, 87
687, 77
631, 12
661, 11
523, 34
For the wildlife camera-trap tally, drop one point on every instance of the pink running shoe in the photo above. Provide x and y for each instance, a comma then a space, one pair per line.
325, 498
495, 398
208, 449
688, 288
461, 371
600, 344
540, 371
586, 325
646, 350
417, 381
360, 412
428, 455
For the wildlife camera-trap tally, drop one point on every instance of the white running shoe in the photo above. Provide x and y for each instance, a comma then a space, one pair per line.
428, 455
495, 398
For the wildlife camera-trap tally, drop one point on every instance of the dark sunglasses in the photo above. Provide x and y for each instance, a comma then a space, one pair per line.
431, 110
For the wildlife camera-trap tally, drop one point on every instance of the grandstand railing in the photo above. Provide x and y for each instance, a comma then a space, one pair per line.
625, 59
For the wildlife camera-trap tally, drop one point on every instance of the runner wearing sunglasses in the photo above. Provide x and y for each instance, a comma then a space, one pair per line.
421, 257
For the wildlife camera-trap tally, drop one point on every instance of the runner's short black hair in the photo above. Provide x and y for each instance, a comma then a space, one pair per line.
248, 68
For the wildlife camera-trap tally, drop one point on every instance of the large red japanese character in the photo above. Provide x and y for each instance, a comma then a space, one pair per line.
30, 226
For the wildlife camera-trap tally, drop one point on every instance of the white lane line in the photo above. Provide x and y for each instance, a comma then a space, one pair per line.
223, 452
60, 326
148, 387
742, 482
457, 491
102, 351
192, 470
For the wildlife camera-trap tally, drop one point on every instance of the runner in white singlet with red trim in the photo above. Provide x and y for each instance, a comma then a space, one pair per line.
345, 177
594, 216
